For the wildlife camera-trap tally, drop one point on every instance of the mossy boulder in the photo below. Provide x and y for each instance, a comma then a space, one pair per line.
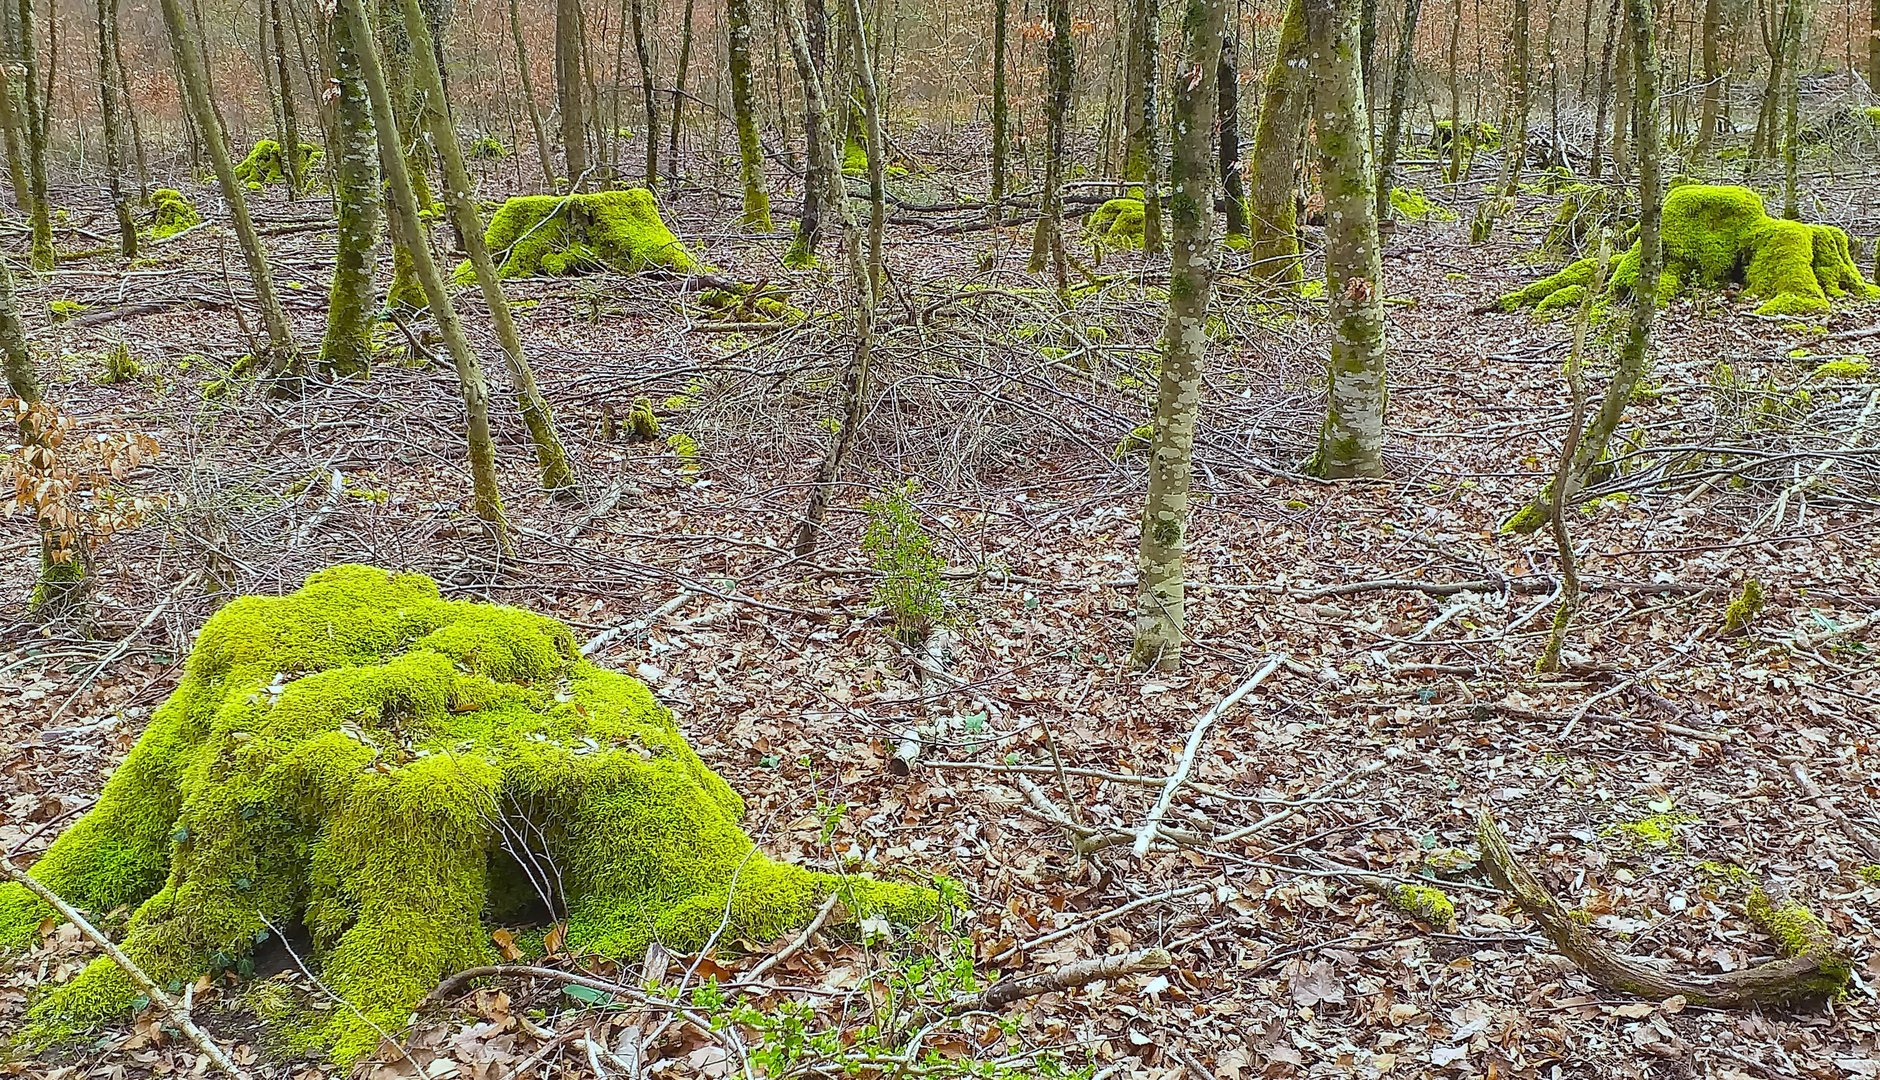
559, 235
1721, 235
173, 212
396, 772
1412, 204
266, 164
1117, 223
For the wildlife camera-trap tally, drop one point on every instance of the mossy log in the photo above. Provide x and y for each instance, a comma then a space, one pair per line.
1813, 964
576, 234
266, 164
1721, 235
391, 769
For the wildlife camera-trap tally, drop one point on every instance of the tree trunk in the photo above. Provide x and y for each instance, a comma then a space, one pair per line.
1622, 100
1048, 241
1605, 89
876, 147
1351, 442
9, 115
568, 92
130, 107
1455, 93
1148, 14
1160, 595
352, 303
1791, 116
1227, 112
488, 499
1713, 78
529, 103
43, 255
819, 163
1514, 142
113, 134
650, 103
678, 93
1001, 138
196, 98
744, 112
290, 116
1399, 94
460, 198
1272, 204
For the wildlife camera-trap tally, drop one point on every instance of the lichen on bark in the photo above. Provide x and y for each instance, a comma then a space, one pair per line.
367, 758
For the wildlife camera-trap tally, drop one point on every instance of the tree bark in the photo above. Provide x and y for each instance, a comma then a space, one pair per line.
1148, 14
744, 113
1399, 94
678, 93
1351, 443
1160, 598
113, 133
1001, 144
1713, 77
876, 147
568, 90
488, 501
196, 97
290, 116
460, 198
1048, 241
528, 94
9, 115
1272, 203
819, 157
1514, 142
1227, 113
648, 101
43, 255
352, 303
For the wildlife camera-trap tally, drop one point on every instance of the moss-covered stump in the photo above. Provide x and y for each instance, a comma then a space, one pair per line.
559, 235
1118, 223
1716, 236
266, 164
172, 213
391, 769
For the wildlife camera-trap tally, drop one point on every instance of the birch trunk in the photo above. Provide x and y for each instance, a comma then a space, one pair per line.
1160, 596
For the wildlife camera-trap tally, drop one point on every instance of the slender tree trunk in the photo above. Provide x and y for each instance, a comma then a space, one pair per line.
476, 394
21, 374
529, 103
744, 111
264, 64
1514, 144
62, 564
1001, 138
1455, 94
43, 255
568, 92
1713, 78
877, 148
1227, 112
113, 135
9, 115
1792, 122
196, 97
1160, 595
1273, 200
1148, 13
352, 304
1399, 95
130, 107
460, 199
1622, 87
1352, 440
855, 381
1873, 46
678, 93
647, 99
819, 156
1604, 98
290, 116
1048, 241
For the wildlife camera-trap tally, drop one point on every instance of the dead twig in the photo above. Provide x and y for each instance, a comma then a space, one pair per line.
1064, 977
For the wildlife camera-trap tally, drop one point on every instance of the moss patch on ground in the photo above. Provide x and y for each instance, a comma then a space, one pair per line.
173, 212
1118, 223
1722, 235
265, 164
559, 235
391, 769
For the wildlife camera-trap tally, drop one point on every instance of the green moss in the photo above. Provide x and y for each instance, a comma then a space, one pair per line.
1798, 932
1717, 235
1118, 223
1566, 298
1412, 204
486, 148
1846, 367
1425, 902
739, 303
360, 756
265, 164
173, 213
1657, 831
1870, 875
67, 309
559, 235
1138, 441
1743, 609
642, 425
118, 366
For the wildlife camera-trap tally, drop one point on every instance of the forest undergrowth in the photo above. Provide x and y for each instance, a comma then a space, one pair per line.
1677, 759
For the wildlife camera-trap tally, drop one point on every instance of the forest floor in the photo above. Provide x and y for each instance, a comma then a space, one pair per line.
1647, 784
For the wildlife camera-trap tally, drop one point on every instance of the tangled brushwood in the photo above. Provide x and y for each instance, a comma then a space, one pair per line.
390, 769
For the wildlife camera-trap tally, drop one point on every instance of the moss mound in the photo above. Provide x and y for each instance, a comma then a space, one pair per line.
1117, 223
1721, 235
265, 164
559, 235
174, 213
1412, 204
390, 769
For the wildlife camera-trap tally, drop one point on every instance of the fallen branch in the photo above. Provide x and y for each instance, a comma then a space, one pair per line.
1862, 839
1145, 836
637, 626
1813, 965
170, 1006
1064, 977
